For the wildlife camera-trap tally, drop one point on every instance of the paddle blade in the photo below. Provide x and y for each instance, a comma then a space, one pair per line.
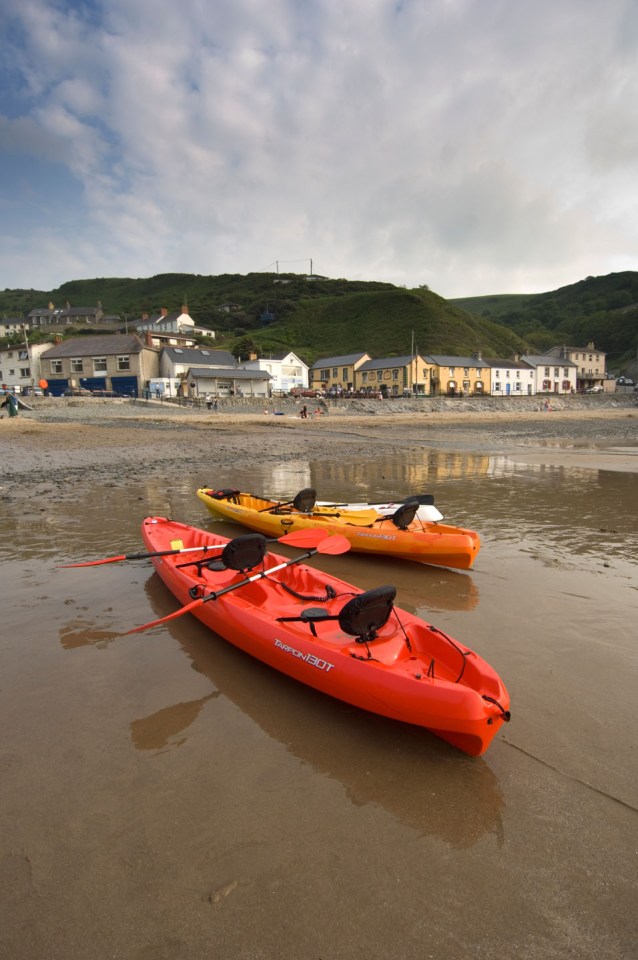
92, 563
304, 538
171, 616
333, 545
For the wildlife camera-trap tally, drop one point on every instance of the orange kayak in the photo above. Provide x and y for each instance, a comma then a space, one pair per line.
353, 645
402, 536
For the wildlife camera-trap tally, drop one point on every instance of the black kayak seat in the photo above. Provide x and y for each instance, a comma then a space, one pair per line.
405, 514
243, 553
360, 617
305, 500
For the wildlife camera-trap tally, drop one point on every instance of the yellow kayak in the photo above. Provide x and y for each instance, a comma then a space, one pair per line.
401, 535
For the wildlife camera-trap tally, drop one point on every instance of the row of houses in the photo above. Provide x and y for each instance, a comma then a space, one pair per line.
562, 370
165, 327
130, 364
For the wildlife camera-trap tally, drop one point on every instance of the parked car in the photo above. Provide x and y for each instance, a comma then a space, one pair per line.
299, 392
597, 388
105, 393
77, 392
624, 382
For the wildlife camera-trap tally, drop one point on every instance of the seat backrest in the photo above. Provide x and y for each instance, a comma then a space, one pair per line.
305, 500
404, 515
362, 616
244, 553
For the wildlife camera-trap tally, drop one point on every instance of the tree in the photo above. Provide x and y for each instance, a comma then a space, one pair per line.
243, 347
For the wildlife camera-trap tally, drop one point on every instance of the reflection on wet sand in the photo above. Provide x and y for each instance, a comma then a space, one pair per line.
421, 781
155, 731
423, 588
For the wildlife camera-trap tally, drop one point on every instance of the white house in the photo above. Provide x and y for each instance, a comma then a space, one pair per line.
11, 325
172, 329
555, 375
203, 371
287, 371
511, 378
176, 361
227, 382
20, 366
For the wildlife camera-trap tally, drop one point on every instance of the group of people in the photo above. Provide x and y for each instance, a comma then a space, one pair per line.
210, 403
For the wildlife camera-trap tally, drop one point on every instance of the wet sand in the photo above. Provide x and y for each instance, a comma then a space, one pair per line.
164, 796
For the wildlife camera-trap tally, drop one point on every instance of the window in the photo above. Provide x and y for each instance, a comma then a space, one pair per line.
23, 355
325, 376
123, 363
99, 364
56, 366
546, 371
556, 371
395, 374
76, 365
466, 371
345, 375
497, 374
25, 372
451, 371
335, 373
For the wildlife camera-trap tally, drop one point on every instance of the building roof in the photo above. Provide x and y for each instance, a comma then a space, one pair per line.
105, 345
441, 360
227, 373
543, 360
385, 362
339, 361
202, 357
512, 364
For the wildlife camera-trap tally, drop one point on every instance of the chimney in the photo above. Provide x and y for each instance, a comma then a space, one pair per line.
145, 316
184, 308
148, 339
164, 312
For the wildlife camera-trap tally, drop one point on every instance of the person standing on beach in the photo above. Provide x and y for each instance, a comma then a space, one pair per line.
11, 403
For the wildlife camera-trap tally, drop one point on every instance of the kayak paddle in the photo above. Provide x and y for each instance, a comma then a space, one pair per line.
329, 545
302, 538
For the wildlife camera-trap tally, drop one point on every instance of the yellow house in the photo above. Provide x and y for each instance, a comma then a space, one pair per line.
459, 376
336, 375
395, 376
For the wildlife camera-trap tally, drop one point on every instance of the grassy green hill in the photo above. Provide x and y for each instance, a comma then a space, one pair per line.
313, 318
599, 309
328, 317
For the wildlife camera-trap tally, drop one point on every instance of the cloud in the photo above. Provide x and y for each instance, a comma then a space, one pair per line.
475, 147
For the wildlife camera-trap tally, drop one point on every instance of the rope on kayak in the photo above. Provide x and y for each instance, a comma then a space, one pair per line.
464, 653
403, 630
330, 593
505, 714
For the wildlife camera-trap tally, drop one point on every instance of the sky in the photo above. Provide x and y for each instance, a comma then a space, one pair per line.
474, 146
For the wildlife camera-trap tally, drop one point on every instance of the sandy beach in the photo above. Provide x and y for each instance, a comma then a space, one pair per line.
59, 437
165, 797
